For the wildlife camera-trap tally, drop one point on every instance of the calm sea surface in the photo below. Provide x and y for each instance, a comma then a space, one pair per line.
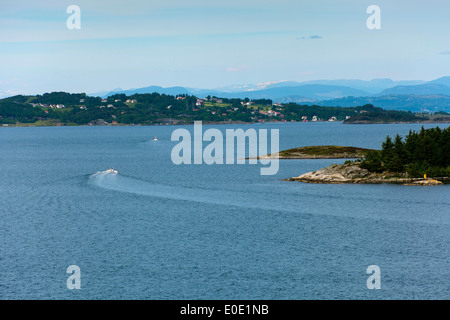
161, 231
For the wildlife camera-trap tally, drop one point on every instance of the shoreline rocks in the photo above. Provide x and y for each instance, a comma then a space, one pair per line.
352, 173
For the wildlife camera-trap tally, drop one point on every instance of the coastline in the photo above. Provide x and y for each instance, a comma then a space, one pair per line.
398, 122
351, 173
22, 125
141, 125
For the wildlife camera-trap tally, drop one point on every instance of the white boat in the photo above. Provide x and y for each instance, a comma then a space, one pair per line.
111, 170
155, 138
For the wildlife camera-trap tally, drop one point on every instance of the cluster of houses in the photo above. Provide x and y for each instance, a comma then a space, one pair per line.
61, 106
118, 100
214, 99
200, 102
51, 106
271, 113
316, 119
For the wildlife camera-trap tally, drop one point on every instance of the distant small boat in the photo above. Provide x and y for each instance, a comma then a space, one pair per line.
155, 138
111, 170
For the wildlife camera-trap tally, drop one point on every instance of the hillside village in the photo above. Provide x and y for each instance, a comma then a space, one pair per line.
60, 108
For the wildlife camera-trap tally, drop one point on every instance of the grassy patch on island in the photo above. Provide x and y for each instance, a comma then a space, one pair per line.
325, 152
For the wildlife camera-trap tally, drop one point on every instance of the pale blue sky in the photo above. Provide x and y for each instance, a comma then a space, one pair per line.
208, 44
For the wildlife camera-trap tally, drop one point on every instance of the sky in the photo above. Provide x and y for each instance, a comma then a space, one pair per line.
210, 44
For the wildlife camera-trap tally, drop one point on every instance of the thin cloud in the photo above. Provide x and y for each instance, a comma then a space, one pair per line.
314, 37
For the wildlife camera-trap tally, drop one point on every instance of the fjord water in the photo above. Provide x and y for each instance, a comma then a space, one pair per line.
161, 231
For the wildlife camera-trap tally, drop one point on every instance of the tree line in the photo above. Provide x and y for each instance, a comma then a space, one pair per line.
424, 152
155, 108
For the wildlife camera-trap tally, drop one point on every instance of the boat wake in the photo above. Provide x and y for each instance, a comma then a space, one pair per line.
112, 180
122, 183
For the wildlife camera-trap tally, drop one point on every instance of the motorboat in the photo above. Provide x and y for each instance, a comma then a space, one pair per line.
155, 138
111, 170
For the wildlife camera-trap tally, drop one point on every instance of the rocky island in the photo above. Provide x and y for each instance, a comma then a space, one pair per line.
320, 152
411, 161
352, 173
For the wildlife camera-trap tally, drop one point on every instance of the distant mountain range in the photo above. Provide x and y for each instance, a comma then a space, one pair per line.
413, 103
423, 89
385, 93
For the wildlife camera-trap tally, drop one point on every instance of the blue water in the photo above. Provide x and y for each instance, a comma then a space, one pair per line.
161, 231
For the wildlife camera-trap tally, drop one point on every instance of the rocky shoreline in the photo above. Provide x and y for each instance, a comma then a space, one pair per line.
352, 173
